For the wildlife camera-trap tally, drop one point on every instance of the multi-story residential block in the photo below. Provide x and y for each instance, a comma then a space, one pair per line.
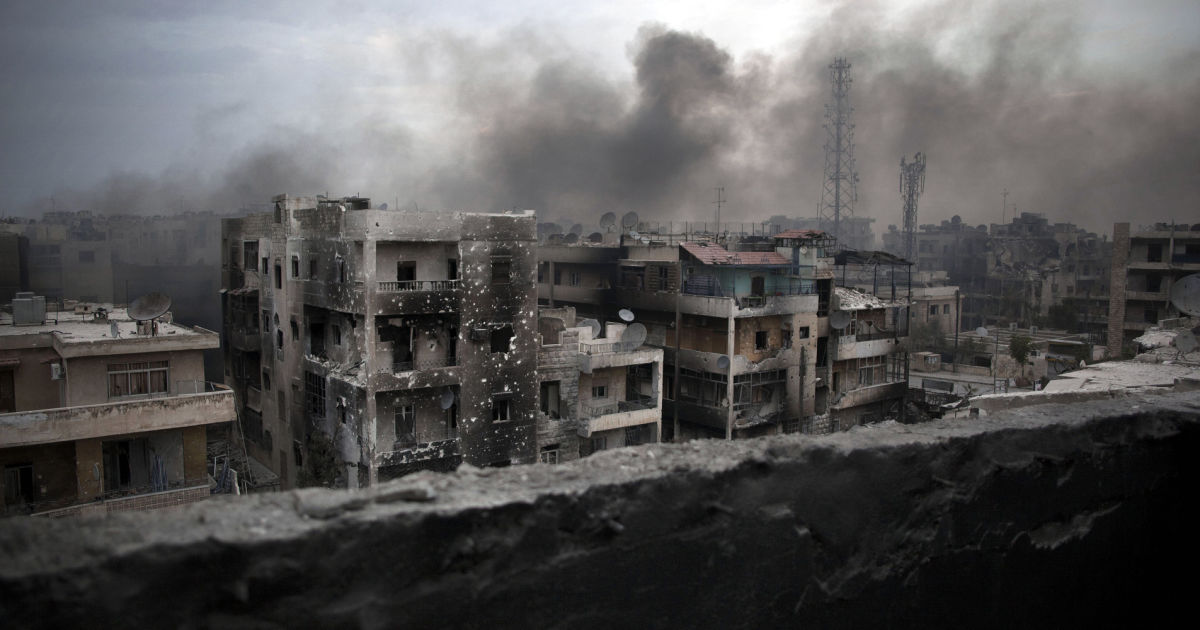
1145, 265
14, 265
99, 413
596, 392
364, 343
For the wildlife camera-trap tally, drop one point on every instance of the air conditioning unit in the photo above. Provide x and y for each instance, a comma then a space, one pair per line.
57, 373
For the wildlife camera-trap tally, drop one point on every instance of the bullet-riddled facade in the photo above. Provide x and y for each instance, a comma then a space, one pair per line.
365, 343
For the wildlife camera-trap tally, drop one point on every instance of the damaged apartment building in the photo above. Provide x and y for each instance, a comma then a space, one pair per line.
363, 344
744, 324
103, 413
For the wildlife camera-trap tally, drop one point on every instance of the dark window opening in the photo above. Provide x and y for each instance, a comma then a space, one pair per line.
278, 276
266, 265
337, 335
266, 379
1154, 283
550, 403
760, 340
314, 389
502, 338
295, 267
295, 331
18, 484
501, 409
406, 425
279, 339
802, 332
501, 270
406, 271
340, 263
312, 268
316, 339
452, 269
250, 254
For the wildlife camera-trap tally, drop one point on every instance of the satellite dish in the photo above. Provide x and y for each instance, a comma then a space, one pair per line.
577, 228
625, 314
383, 206
645, 240
1185, 294
839, 320
722, 362
113, 331
149, 306
593, 324
607, 220
634, 235
803, 249
447, 400
629, 220
1185, 342
571, 238
982, 331
633, 336
595, 237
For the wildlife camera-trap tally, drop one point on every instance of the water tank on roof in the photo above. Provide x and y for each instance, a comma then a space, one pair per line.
29, 310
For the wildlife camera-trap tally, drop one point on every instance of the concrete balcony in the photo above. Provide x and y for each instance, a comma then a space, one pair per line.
441, 455
605, 353
46, 426
440, 372
568, 293
862, 346
606, 415
134, 502
417, 297
870, 394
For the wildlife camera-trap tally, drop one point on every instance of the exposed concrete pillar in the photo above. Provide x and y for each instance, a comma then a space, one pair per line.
195, 453
368, 425
730, 338
1116, 289
89, 468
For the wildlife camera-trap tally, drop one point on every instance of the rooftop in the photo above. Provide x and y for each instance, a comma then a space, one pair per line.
849, 299
86, 328
710, 254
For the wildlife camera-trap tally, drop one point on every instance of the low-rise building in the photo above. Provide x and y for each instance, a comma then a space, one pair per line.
100, 413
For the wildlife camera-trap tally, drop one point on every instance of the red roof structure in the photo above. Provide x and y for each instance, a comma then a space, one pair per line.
710, 254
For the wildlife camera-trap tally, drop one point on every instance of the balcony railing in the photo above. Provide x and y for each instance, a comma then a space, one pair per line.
401, 286
602, 348
424, 438
424, 364
593, 409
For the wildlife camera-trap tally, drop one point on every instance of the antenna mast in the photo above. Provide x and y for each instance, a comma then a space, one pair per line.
720, 200
840, 191
912, 184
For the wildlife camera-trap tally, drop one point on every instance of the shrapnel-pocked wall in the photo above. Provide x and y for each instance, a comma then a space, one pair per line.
1051, 516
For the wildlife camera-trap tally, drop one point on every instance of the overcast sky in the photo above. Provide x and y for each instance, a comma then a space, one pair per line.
1085, 111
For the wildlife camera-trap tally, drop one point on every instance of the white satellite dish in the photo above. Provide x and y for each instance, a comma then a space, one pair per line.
633, 336
982, 331
149, 306
1185, 294
634, 235
593, 324
839, 320
803, 249
625, 314
722, 362
1185, 342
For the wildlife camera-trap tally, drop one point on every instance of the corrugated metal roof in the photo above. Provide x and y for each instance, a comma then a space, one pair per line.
710, 254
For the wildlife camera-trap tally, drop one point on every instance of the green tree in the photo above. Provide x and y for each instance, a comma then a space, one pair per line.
1019, 348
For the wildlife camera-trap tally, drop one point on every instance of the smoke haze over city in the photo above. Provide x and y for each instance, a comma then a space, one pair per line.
1083, 112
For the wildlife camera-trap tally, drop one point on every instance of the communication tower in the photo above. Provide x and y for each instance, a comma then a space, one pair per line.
840, 190
912, 184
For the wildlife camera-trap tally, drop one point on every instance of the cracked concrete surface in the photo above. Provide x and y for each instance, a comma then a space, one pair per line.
1051, 516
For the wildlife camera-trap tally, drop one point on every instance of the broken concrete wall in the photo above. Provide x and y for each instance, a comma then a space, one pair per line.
1056, 516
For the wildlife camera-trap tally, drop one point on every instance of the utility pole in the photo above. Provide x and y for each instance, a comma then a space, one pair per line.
840, 190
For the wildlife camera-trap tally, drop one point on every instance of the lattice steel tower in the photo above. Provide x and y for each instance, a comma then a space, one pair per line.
912, 184
841, 180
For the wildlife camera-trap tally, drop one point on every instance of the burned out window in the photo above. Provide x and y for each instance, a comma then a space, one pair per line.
313, 264
502, 338
279, 338
337, 335
550, 403
933, 309
250, 255
295, 267
314, 394
18, 484
761, 340
501, 269
787, 339
406, 424
406, 271
295, 331
266, 265
501, 407
549, 454
138, 379
452, 269
278, 275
